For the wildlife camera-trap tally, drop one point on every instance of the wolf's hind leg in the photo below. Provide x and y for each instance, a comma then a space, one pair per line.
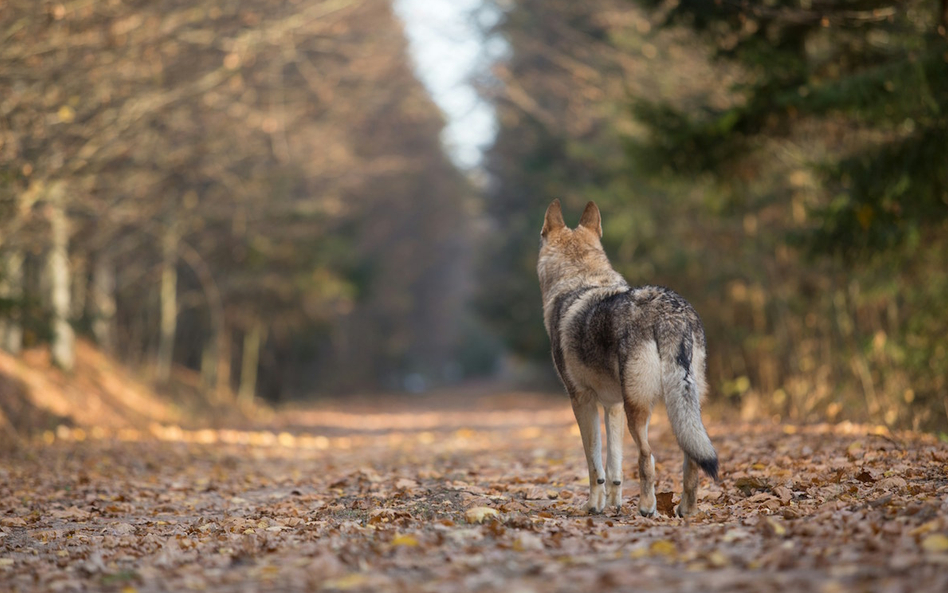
638, 416
587, 417
615, 417
689, 495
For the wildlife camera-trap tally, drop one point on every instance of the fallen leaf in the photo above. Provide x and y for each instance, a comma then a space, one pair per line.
749, 484
783, 493
774, 527
73, 513
760, 497
406, 484
732, 535
122, 529
925, 528
325, 565
892, 483
404, 540
345, 583
479, 514
665, 504
528, 541
638, 552
514, 507
936, 542
664, 547
717, 559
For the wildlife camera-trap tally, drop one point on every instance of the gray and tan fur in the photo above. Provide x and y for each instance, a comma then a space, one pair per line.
624, 348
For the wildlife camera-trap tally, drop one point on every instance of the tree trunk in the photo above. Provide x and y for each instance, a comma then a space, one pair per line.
215, 358
216, 365
249, 363
223, 392
64, 339
79, 286
209, 363
169, 304
102, 301
11, 290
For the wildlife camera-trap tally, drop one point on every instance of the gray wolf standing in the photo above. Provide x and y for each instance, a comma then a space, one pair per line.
624, 348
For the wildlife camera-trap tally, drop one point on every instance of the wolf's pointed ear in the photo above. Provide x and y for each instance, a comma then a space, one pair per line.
591, 219
553, 219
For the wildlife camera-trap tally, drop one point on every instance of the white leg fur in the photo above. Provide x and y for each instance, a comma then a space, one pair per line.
587, 417
615, 428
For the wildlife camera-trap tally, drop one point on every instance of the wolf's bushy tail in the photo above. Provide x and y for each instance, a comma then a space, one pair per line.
683, 402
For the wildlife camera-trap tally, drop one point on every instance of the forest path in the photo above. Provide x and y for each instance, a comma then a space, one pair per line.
379, 497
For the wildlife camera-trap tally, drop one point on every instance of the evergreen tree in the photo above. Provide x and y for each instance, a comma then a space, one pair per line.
873, 73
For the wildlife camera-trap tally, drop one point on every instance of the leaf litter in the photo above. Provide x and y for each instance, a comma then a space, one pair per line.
492, 506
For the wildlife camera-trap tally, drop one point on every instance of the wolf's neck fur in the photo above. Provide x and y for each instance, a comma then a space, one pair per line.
562, 275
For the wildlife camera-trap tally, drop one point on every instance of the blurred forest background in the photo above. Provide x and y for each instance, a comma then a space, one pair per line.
252, 196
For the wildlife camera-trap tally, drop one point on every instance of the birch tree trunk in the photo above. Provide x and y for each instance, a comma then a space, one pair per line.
102, 301
250, 362
63, 348
169, 303
11, 289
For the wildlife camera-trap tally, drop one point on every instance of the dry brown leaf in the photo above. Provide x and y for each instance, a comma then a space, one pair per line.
665, 504
892, 483
664, 547
783, 493
937, 542
479, 514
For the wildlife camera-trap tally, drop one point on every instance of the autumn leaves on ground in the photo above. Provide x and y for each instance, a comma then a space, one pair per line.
480, 490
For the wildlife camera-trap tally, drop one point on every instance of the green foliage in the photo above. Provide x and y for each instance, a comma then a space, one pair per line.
865, 65
886, 195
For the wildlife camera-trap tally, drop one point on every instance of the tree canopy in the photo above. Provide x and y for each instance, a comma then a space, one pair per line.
270, 166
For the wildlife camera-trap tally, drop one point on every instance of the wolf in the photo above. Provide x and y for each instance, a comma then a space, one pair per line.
624, 348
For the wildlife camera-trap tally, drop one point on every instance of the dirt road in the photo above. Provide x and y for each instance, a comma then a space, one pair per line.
390, 497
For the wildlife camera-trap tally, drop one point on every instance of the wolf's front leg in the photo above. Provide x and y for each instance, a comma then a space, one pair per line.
587, 417
615, 421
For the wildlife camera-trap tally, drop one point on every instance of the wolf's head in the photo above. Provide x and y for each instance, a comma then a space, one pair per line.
567, 253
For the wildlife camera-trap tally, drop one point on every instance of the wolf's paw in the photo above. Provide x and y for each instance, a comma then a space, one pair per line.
684, 508
597, 499
614, 494
647, 507
687, 504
